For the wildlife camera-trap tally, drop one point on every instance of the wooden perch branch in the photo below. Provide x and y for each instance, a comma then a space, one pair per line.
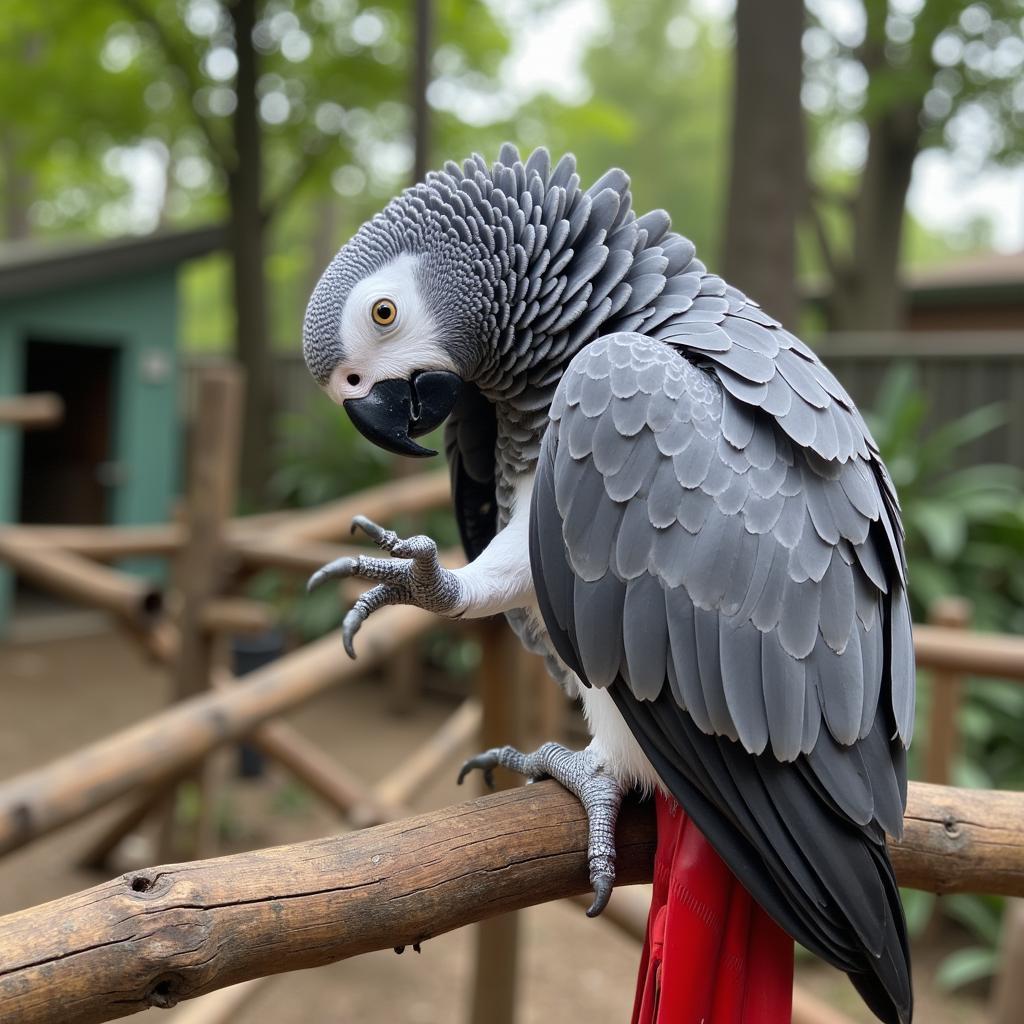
155, 937
39, 801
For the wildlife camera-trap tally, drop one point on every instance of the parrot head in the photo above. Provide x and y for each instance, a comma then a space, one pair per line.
395, 325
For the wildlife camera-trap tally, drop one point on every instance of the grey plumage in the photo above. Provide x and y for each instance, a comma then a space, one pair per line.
713, 535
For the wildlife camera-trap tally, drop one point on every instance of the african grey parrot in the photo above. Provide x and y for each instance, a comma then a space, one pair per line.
671, 498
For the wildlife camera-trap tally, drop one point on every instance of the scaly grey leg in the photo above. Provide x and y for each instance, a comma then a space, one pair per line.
412, 576
582, 773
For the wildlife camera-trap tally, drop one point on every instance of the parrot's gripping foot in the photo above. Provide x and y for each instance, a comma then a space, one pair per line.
582, 773
412, 575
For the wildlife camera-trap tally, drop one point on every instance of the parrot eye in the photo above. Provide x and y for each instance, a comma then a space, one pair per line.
384, 312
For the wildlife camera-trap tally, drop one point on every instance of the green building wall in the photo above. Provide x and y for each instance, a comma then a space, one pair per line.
138, 316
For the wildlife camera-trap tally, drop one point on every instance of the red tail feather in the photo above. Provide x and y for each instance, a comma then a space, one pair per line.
712, 955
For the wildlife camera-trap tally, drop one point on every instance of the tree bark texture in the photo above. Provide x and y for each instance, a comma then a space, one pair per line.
767, 170
161, 935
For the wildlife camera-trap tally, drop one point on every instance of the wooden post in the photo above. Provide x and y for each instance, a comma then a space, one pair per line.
947, 684
493, 999
1008, 991
212, 492
201, 566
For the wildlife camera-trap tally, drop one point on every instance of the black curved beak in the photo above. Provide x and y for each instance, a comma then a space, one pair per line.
395, 411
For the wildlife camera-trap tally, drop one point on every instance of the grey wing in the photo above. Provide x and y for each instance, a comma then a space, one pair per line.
740, 597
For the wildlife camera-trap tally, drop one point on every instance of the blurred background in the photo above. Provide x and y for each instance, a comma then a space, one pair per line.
174, 176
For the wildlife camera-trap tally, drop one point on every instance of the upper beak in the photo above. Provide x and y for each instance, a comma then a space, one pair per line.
396, 410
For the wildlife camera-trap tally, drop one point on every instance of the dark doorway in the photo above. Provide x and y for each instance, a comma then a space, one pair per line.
64, 470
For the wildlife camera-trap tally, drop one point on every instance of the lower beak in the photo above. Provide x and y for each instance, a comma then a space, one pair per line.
396, 410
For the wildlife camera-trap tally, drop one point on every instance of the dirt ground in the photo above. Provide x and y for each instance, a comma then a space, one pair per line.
58, 694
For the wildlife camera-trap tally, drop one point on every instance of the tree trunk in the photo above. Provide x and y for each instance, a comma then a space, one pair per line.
245, 191
767, 175
420, 81
869, 295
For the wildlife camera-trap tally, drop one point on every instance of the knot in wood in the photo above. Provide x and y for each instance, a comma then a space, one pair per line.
165, 992
951, 826
144, 885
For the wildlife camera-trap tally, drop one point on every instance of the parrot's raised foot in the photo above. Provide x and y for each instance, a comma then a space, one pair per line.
412, 576
582, 773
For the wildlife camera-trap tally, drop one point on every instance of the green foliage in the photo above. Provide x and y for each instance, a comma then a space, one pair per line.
965, 536
981, 917
319, 456
965, 527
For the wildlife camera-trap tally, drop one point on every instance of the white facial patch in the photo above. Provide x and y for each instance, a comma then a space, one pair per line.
375, 351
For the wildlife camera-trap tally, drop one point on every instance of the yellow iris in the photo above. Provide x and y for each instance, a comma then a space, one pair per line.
384, 312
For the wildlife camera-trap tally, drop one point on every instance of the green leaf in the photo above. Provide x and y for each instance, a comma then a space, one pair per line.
980, 916
964, 966
943, 527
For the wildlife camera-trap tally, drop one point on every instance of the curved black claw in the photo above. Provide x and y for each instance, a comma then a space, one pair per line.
603, 886
369, 527
486, 762
354, 618
340, 568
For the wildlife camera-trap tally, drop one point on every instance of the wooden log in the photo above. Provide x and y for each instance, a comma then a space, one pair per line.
135, 600
980, 654
31, 412
155, 937
64, 790
108, 542
237, 615
409, 495
946, 692
961, 840
158, 936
